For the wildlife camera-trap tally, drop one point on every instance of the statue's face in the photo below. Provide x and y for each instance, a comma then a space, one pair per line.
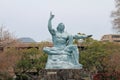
60, 27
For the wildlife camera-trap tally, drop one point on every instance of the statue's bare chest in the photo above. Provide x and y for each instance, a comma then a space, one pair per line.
61, 36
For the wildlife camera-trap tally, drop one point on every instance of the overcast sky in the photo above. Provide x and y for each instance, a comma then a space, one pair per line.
29, 18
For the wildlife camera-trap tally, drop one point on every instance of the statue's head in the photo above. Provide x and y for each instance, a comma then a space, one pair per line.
60, 27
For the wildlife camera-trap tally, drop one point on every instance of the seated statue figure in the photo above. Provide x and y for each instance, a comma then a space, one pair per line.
64, 54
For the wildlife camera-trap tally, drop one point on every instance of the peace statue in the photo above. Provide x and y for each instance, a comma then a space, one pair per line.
64, 54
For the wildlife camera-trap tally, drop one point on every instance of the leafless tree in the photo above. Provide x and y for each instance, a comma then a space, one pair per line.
6, 37
116, 17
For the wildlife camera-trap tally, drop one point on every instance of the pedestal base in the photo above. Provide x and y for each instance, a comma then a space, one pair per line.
61, 74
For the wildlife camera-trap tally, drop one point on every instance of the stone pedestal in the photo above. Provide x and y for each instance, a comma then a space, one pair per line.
61, 74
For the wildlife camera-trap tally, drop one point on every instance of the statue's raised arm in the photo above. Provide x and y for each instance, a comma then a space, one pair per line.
51, 30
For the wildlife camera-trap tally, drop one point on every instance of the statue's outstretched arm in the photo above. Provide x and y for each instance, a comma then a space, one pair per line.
81, 36
51, 30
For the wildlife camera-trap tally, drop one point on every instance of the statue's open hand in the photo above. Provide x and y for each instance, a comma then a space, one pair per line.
51, 15
89, 36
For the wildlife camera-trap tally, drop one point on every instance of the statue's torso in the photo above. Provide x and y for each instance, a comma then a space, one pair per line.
60, 39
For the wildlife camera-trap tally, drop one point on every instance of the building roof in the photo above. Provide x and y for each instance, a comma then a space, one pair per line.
26, 40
